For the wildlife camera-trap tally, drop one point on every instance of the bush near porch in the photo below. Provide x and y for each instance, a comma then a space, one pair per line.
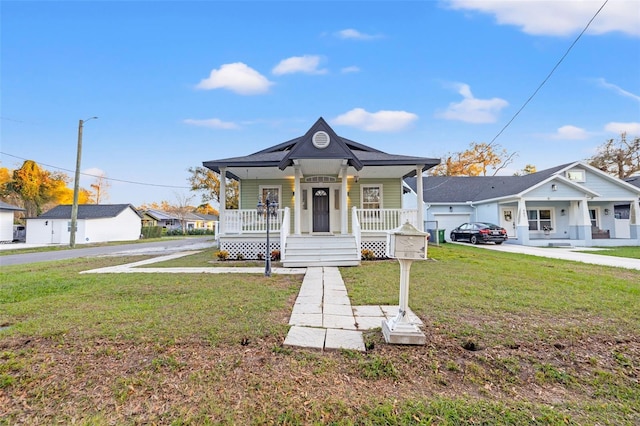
558, 344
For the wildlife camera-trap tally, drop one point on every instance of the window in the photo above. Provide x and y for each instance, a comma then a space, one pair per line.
304, 199
593, 216
576, 175
336, 199
372, 197
539, 219
273, 192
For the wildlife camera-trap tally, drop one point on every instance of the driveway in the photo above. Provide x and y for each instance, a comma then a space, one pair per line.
157, 247
585, 255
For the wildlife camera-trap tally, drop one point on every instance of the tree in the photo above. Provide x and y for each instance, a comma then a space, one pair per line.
475, 161
207, 209
207, 182
619, 158
181, 209
100, 187
36, 186
527, 170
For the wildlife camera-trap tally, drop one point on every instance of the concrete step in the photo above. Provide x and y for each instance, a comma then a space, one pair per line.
321, 250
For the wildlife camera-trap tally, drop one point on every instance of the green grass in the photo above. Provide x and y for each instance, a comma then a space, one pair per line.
559, 345
630, 251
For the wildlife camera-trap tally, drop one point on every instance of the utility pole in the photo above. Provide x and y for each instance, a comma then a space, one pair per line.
76, 186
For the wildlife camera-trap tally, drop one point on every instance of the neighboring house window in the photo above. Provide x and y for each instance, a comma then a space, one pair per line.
336, 199
539, 219
576, 175
273, 191
593, 216
69, 226
372, 197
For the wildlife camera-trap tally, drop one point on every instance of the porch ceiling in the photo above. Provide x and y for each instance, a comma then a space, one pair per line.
321, 167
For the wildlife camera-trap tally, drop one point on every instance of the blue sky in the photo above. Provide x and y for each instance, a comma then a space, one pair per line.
178, 83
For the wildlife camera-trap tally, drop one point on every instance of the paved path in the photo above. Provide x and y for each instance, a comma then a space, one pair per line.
323, 317
585, 255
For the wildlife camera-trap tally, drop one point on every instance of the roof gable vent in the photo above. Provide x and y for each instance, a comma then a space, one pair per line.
321, 139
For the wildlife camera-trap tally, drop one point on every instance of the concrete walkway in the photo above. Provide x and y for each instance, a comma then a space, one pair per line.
323, 317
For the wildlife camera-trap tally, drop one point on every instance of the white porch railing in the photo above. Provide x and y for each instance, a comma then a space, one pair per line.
355, 228
284, 231
248, 222
376, 220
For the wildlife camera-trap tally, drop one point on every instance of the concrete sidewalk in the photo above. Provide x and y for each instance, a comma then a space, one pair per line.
574, 254
323, 318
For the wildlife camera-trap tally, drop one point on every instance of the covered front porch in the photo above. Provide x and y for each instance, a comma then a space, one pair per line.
246, 236
578, 222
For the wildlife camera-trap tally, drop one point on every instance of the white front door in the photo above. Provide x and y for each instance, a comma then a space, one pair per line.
508, 220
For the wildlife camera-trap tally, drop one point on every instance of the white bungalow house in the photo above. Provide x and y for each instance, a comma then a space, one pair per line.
96, 223
571, 204
334, 197
7, 213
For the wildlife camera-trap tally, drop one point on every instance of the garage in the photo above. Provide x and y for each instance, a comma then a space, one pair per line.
449, 221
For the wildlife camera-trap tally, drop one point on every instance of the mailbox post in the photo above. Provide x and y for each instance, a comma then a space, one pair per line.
406, 244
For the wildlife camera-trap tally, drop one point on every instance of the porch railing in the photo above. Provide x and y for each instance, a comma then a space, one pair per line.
373, 220
355, 228
248, 222
284, 232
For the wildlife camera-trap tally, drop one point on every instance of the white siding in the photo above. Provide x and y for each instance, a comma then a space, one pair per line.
6, 225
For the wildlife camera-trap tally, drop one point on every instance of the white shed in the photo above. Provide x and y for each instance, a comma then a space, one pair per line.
6, 220
96, 223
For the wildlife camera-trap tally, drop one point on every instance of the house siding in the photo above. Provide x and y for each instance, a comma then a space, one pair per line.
6, 225
562, 191
605, 187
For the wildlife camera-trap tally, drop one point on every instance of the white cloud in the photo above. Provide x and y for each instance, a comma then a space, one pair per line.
472, 110
632, 129
94, 172
238, 78
569, 132
307, 64
351, 69
559, 18
214, 123
604, 83
381, 121
351, 34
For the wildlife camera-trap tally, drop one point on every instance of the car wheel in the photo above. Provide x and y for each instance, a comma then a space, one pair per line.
473, 240
452, 237
498, 243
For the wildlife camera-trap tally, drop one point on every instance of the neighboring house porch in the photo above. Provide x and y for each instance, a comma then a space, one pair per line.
335, 197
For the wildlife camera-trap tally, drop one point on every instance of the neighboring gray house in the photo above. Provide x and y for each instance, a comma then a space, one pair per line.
96, 223
7, 213
572, 203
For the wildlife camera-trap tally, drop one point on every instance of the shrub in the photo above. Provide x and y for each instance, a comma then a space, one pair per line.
239, 256
368, 254
275, 255
151, 231
222, 254
260, 256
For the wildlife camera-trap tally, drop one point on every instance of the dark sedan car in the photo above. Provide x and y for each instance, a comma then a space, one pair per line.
479, 232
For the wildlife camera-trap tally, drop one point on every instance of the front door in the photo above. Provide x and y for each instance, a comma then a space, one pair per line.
508, 221
320, 209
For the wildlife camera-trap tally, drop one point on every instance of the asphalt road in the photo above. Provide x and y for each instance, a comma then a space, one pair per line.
157, 247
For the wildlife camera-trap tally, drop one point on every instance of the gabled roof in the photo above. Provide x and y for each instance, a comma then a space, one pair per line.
285, 154
633, 180
87, 211
6, 206
462, 189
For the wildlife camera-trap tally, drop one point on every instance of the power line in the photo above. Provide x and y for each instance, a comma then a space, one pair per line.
98, 176
550, 73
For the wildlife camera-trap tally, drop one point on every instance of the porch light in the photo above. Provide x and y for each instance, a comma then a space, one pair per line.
562, 212
606, 212
268, 208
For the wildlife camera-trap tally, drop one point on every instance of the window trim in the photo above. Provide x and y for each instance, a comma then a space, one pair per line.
261, 189
371, 185
552, 218
582, 172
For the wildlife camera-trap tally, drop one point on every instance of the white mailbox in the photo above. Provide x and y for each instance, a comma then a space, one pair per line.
407, 242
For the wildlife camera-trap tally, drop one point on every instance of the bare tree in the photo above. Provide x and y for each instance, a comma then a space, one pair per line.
619, 158
182, 209
100, 189
475, 161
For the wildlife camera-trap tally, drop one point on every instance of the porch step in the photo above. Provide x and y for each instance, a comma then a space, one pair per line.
321, 250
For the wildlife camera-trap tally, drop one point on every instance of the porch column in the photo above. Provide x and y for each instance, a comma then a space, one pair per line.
634, 220
420, 200
584, 222
222, 199
297, 204
344, 208
522, 223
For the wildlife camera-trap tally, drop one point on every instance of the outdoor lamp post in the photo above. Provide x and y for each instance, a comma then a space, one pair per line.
268, 208
76, 186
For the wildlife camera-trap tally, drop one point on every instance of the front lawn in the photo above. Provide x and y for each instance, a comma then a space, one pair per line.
547, 342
